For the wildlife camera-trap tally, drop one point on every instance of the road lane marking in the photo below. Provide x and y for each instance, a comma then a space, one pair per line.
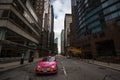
64, 70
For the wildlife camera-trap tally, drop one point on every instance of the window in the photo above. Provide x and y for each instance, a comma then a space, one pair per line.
18, 6
112, 8
93, 24
102, 34
114, 15
6, 1
97, 29
86, 1
118, 22
102, 0
4, 13
19, 22
31, 10
24, 1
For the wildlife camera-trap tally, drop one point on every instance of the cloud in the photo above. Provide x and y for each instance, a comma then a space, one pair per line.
61, 7
52, 1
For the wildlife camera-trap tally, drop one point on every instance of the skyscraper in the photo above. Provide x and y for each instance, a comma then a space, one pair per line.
62, 42
67, 22
56, 46
52, 30
98, 27
73, 32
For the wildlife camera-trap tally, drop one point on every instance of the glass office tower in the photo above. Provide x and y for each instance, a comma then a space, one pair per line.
98, 27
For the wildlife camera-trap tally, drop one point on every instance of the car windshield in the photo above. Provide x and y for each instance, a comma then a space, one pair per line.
48, 59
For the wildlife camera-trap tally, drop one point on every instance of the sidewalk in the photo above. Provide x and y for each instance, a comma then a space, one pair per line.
12, 65
109, 65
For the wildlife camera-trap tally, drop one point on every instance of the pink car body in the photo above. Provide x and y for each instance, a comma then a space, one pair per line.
47, 65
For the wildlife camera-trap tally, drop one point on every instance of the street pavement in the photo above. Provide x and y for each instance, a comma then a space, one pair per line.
106, 64
9, 66
68, 69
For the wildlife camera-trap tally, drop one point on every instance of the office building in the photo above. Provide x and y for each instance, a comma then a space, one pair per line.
52, 30
67, 22
56, 46
98, 27
62, 42
19, 29
73, 30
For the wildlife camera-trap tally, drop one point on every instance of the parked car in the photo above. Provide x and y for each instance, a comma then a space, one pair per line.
47, 65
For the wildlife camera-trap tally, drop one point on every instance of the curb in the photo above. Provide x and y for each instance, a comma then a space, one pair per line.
103, 65
15, 67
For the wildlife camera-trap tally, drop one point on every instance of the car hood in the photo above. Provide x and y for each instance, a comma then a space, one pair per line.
46, 64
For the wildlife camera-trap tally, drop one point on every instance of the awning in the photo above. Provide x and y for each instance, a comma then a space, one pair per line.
74, 50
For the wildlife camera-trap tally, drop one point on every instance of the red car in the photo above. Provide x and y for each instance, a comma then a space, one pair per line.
47, 65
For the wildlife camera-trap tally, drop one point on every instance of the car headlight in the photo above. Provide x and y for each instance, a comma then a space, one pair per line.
38, 66
53, 66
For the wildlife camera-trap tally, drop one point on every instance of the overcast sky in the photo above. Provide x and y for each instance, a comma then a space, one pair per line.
61, 7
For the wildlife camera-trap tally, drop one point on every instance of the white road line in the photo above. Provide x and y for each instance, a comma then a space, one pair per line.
65, 73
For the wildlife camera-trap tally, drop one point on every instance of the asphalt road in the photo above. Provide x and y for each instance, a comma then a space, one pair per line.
68, 69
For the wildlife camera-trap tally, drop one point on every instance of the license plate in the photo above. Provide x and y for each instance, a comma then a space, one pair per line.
44, 70
48, 69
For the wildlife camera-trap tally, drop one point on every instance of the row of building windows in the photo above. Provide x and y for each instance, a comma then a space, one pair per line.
118, 22
31, 10
103, 0
94, 28
112, 15
25, 14
9, 14
4, 13
82, 24
94, 24
91, 22
92, 31
108, 2
6, 1
112, 8
95, 17
84, 17
18, 6
20, 9
21, 24
97, 29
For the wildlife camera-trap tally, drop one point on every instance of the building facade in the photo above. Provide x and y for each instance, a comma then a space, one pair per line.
44, 13
98, 27
52, 30
73, 30
55, 46
19, 29
62, 42
67, 22
39, 8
